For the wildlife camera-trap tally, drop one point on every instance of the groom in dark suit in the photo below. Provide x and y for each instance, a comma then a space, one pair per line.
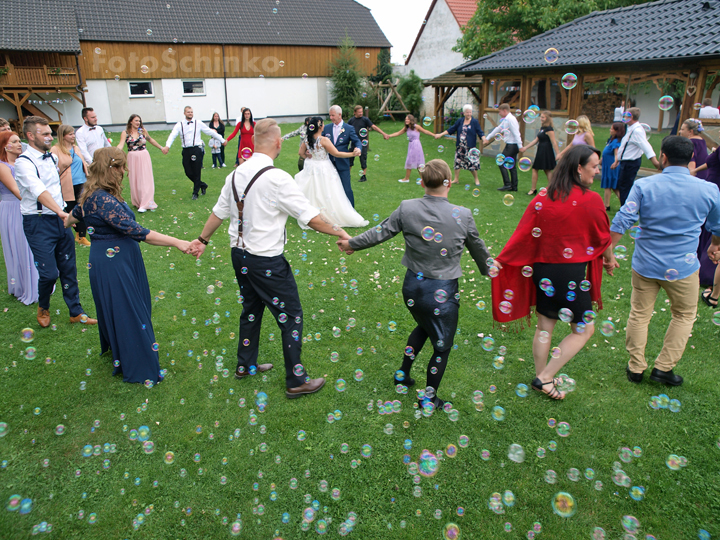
341, 135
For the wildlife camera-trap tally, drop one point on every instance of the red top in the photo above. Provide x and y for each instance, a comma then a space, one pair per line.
246, 139
575, 230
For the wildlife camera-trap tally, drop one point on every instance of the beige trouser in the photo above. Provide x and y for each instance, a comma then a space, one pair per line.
683, 295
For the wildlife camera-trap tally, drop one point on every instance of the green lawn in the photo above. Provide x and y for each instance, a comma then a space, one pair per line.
246, 461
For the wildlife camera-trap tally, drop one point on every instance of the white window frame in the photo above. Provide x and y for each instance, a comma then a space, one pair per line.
203, 93
135, 96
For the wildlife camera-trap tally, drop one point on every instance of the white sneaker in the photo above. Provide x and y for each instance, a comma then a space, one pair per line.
224, 164
213, 166
403, 181
142, 210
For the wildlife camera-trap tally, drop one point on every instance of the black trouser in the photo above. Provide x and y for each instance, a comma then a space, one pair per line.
363, 158
268, 282
80, 227
218, 160
510, 150
192, 163
626, 177
53, 248
301, 163
222, 154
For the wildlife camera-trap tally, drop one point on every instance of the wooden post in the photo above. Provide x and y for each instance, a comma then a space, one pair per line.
525, 91
689, 99
435, 109
575, 97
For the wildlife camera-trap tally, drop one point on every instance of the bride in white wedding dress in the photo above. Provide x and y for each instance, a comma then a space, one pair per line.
320, 182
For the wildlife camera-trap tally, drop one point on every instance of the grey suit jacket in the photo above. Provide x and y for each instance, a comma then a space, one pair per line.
436, 233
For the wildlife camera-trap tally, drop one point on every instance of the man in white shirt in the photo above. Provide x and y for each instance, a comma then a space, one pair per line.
708, 111
629, 156
617, 117
513, 141
269, 196
41, 206
90, 137
192, 153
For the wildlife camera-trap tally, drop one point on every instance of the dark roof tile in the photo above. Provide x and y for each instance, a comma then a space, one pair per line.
642, 32
59, 25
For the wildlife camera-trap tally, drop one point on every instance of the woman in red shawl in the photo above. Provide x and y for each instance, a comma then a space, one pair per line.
554, 261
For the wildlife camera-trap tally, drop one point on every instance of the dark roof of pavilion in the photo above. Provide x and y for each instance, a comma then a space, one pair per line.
650, 32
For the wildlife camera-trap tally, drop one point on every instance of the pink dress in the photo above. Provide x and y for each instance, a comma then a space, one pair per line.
578, 139
140, 174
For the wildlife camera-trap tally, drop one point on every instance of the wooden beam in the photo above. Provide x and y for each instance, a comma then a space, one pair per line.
575, 97
526, 85
436, 125
692, 91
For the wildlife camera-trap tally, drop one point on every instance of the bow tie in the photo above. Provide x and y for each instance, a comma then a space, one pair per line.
47, 155
92, 128
189, 122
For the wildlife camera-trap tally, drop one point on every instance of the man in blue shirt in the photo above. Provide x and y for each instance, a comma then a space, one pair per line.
671, 207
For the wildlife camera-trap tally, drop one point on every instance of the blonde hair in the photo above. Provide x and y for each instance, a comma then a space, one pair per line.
693, 125
266, 131
548, 118
584, 125
63, 129
106, 173
435, 174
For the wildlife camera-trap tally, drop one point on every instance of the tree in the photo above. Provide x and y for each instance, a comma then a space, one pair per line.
500, 23
384, 68
410, 88
345, 76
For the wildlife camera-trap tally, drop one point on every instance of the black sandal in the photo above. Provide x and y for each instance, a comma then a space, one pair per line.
709, 300
537, 384
532, 192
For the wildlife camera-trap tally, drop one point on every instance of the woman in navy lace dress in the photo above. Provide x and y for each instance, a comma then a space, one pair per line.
117, 273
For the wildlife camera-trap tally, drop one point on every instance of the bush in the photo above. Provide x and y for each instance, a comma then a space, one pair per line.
410, 88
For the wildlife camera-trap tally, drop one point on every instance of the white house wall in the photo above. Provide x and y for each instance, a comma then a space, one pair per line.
433, 53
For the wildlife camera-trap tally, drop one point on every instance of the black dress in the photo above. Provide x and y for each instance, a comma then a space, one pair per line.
120, 287
545, 155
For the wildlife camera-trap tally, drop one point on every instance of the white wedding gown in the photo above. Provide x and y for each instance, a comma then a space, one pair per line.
321, 184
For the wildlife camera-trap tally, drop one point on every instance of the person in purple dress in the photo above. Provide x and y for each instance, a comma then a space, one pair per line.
415, 156
22, 276
691, 129
711, 294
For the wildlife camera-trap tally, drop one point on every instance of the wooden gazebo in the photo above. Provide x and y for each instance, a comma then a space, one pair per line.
662, 48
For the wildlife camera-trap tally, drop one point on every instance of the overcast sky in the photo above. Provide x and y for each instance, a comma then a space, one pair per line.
400, 21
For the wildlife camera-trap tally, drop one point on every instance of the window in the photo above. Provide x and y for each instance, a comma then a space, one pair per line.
141, 89
193, 88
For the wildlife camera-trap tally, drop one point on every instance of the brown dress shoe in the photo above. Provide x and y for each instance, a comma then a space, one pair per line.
82, 318
261, 368
83, 241
43, 317
310, 387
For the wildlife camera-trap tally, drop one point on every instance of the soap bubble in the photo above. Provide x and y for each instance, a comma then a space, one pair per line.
569, 81
551, 55
571, 127
671, 274
607, 328
27, 335
525, 164
620, 252
508, 200
564, 505
665, 103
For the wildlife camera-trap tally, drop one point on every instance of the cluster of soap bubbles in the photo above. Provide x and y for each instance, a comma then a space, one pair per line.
531, 114
664, 402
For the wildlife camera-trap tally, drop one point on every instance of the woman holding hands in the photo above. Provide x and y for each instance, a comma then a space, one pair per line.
547, 149
139, 164
117, 272
415, 156
466, 155
554, 261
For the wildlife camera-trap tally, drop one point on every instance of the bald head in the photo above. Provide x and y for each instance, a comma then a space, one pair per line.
267, 137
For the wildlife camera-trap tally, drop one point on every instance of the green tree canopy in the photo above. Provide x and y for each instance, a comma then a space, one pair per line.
345, 76
499, 23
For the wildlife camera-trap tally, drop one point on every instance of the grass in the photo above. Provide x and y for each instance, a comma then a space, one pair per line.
198, 411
